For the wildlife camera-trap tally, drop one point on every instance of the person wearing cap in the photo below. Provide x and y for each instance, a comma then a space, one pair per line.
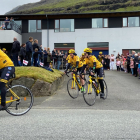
94, 67
76, 64
4, 50
100, 57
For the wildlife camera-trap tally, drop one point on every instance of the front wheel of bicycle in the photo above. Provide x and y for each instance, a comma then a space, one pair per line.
105, 90
22, 105
72, 91
90, 98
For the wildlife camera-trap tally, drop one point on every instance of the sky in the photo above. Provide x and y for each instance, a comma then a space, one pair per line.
7, 5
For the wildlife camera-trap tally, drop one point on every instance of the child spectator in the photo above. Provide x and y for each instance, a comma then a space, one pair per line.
35, 56
118, 63
121, 65
112, 59
125, 64
139, 67
132, 65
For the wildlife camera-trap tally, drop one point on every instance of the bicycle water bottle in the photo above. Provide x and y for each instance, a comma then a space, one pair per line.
94, 83
78, 80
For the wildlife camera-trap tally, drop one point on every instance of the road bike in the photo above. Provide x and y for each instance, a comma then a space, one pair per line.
74, 86
19, 99
94, 89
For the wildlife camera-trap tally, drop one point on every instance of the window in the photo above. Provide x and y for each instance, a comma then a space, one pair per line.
99, 22
131, 22
105, 22
98, 44
64, 25
34, 26
18, 22
64, 45
125, 22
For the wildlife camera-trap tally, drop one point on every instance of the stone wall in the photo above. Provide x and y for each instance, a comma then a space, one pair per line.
38, 87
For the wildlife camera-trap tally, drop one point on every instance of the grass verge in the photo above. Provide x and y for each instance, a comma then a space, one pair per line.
38, 73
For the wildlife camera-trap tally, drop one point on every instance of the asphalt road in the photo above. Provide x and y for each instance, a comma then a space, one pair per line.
61, 118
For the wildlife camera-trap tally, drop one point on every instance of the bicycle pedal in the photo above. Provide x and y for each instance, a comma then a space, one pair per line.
89, 93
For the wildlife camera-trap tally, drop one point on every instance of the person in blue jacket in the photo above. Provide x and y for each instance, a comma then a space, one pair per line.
29, 49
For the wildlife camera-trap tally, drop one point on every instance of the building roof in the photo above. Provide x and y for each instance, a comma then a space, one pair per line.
74, 15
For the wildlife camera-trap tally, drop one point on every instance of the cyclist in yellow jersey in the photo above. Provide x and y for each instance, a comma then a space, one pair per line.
95, 67
76, 64
82, 57
7, 69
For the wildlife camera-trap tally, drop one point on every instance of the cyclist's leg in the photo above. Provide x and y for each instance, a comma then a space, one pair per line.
81, 80
100, 76
6, 73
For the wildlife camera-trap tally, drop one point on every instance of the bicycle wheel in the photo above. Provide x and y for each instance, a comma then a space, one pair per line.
105, 89
90, 98
72, 91
25, 102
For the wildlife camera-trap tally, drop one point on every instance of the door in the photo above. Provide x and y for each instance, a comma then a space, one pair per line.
96, 52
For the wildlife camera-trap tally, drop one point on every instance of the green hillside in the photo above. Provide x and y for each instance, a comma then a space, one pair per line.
79, 6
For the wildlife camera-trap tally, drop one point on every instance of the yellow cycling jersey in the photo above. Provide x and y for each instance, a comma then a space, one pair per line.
89, 61
82, 59
73, 61
68, 57
5, 61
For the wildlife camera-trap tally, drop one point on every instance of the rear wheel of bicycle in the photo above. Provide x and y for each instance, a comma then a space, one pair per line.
105, 89
72, 91
90, 98
25, 102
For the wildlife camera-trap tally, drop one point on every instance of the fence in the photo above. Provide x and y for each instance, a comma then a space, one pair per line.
11, 25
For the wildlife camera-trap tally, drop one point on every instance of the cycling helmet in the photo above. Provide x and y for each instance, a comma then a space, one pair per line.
71, 51
88, 50
83, 54
100, 52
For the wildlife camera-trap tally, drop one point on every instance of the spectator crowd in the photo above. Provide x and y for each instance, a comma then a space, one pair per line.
35, 55
128, 64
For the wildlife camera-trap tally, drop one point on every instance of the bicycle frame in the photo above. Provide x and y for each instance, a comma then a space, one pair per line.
75, 80
98, 90
12, 92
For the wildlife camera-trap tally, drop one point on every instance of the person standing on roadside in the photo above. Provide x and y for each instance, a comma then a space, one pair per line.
54, 56
59, 56
29, 50
48, 57
128, 63
112, 59
22, 53
35, 45
136, 62
15, 50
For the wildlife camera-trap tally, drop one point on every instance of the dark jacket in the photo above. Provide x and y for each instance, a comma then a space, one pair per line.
59, 57
16, 47
45, 54
136, 61
128, 60
35, 55
22, 52
54, 55
48, 56
29, 47
35, 45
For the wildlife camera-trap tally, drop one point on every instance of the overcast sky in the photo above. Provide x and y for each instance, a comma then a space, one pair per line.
7, 5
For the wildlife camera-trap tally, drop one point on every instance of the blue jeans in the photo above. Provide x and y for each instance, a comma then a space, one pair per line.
15, 59
58, 64
132, 71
